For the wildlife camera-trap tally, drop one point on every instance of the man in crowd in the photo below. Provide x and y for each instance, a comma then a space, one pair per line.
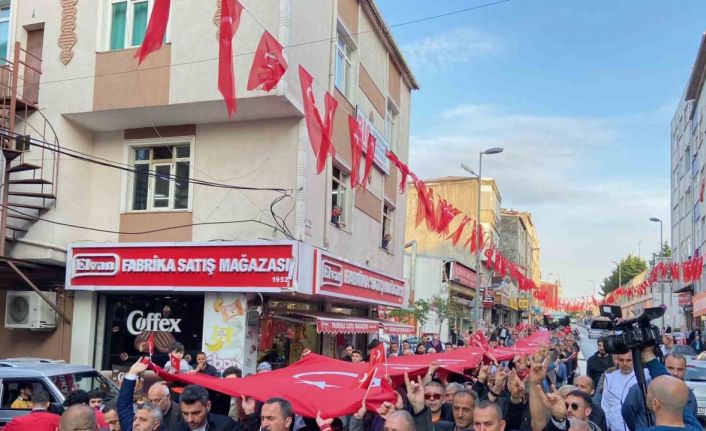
434, 401
598, 363
450, 390
195, 406
357, 356
78, 417
615, 389
487, 416
394, 350
110, 413
203, 367
668, 343
158, 394
597, 415
39, 419
347, 353
276, 415
633, 409
148, 417
667, 397
24, 400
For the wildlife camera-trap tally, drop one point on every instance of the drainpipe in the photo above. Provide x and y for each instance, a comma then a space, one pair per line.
412, 265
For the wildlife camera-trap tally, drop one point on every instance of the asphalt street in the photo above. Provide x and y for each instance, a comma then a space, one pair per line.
588, 347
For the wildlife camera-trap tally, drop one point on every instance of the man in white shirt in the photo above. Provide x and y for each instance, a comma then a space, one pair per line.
668, 344
615, 389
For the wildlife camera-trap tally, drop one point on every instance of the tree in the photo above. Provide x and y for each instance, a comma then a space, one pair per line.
666, 250
626, 271
419, 311
443, 308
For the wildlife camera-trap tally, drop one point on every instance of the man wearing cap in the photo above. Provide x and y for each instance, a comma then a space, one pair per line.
39, 419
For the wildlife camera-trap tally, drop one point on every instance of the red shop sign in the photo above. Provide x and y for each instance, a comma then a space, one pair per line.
341, 279
346, 327
219, 266
462, 275
684, 299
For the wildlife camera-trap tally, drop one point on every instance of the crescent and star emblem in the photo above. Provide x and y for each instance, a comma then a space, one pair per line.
321, 383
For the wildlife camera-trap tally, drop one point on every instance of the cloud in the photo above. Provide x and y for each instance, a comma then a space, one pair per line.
587, 213
458, 45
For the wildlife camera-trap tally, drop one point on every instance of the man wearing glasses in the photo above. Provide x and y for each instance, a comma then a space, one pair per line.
434, 400
575, 408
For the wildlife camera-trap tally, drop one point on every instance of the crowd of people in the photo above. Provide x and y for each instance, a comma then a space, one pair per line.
542, 390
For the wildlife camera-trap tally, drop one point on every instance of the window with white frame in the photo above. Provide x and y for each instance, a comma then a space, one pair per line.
344, 64
4, 30
391, 125
126, 23
388, 218
340, 198
161, 177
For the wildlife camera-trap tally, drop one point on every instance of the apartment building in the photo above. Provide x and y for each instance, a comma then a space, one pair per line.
460, 269
687, 182
198, 195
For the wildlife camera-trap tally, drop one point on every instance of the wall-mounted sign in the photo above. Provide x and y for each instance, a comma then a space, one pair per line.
463, 276
181, 266
381, 147
523, 303
342, 279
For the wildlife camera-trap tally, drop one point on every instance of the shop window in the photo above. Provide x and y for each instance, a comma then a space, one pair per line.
130, 319
388, 218
161, 178
344, 63
340, 198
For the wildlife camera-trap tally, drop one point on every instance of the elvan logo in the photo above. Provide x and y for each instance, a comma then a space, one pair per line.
331, 274
95, 265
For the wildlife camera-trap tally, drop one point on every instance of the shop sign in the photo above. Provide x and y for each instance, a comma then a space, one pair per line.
684, 299
381, 144
219, 266
488, 301
329, 326
138, 322
699, 304
523, 303
463, 276
513, 303
462, 301
342, 279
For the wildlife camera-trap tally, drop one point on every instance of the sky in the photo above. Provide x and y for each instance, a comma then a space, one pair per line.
580, 94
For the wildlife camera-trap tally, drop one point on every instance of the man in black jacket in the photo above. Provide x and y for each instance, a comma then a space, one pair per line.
158, 395
195, 407
598, 363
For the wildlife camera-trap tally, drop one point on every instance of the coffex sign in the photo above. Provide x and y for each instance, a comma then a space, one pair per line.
137, 323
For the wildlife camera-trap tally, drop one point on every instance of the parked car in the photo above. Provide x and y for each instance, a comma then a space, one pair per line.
685, 350
695, 378
57, 378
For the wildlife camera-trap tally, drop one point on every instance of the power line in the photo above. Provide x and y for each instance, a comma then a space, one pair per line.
37, 218
294, 45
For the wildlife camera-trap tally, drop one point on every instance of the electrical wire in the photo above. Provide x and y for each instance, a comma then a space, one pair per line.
37, 218
294, 45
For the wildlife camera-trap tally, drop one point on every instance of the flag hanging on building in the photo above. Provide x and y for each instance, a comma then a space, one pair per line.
269, 64
156, 29
230, 20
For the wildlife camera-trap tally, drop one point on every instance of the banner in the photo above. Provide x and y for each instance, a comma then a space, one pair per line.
223, 329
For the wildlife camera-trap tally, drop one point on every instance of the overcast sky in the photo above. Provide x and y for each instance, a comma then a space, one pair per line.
581, 96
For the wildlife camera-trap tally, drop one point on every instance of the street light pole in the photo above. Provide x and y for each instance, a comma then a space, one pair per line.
479, 232
661, 242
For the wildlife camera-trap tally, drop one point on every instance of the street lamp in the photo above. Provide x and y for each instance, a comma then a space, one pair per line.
479, 232
661, 242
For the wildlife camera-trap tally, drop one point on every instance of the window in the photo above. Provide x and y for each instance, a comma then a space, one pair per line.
391, 125
388, 219
16, 394
161, 178
344, 65
4, 32
340, 198
127, 22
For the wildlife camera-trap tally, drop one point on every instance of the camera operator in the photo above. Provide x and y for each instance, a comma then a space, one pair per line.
615, 388
633, 409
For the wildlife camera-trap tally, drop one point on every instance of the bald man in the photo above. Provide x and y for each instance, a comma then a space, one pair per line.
667, 397
597, 416
78, 417
158, 395
633, 410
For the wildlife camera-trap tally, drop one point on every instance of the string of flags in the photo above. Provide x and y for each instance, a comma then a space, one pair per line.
268, 68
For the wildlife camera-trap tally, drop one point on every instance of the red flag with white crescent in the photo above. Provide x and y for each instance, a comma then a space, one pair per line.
156, 29
377, 357
230, 21
268, 66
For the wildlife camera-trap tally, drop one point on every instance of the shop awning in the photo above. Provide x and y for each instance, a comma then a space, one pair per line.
331, 323
396, 328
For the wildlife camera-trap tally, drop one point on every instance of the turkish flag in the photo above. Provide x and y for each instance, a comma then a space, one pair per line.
478, 339
175, 363
404, 169
377, 357
327, 133
150, 343
320, 132
369, 157
230, 20
269, 64
456, 236
356, 137
156, 29
329, 386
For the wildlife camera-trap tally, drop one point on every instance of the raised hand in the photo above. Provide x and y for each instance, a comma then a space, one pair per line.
249, 405
360, 414
538, 371
516, 387
323, 423
500, 380
138, 367
415, 393
386, 408
483, 373
555, 404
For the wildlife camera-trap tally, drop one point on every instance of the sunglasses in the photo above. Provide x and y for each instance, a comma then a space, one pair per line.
432, 396
572, 406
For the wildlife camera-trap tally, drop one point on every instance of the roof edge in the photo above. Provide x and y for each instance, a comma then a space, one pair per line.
698, 72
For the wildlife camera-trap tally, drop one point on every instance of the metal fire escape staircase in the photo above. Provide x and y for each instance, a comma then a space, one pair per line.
29, 145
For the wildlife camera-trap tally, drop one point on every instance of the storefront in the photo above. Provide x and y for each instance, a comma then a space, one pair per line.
462, 290
240, 303
687, 308
699, 307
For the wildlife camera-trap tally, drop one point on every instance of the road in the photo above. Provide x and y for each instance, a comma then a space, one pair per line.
588, 347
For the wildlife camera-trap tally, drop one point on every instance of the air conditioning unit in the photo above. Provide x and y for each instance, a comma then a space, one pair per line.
27, 310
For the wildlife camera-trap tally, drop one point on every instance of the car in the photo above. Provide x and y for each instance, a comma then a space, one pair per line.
57, 378
695, 378
685, 350
596, 333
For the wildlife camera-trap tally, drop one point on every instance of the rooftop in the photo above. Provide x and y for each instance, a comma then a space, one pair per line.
698, 73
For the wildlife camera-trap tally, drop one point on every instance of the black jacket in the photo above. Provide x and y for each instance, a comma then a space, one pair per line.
596, 366
172, 419
597, 416
215, 423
